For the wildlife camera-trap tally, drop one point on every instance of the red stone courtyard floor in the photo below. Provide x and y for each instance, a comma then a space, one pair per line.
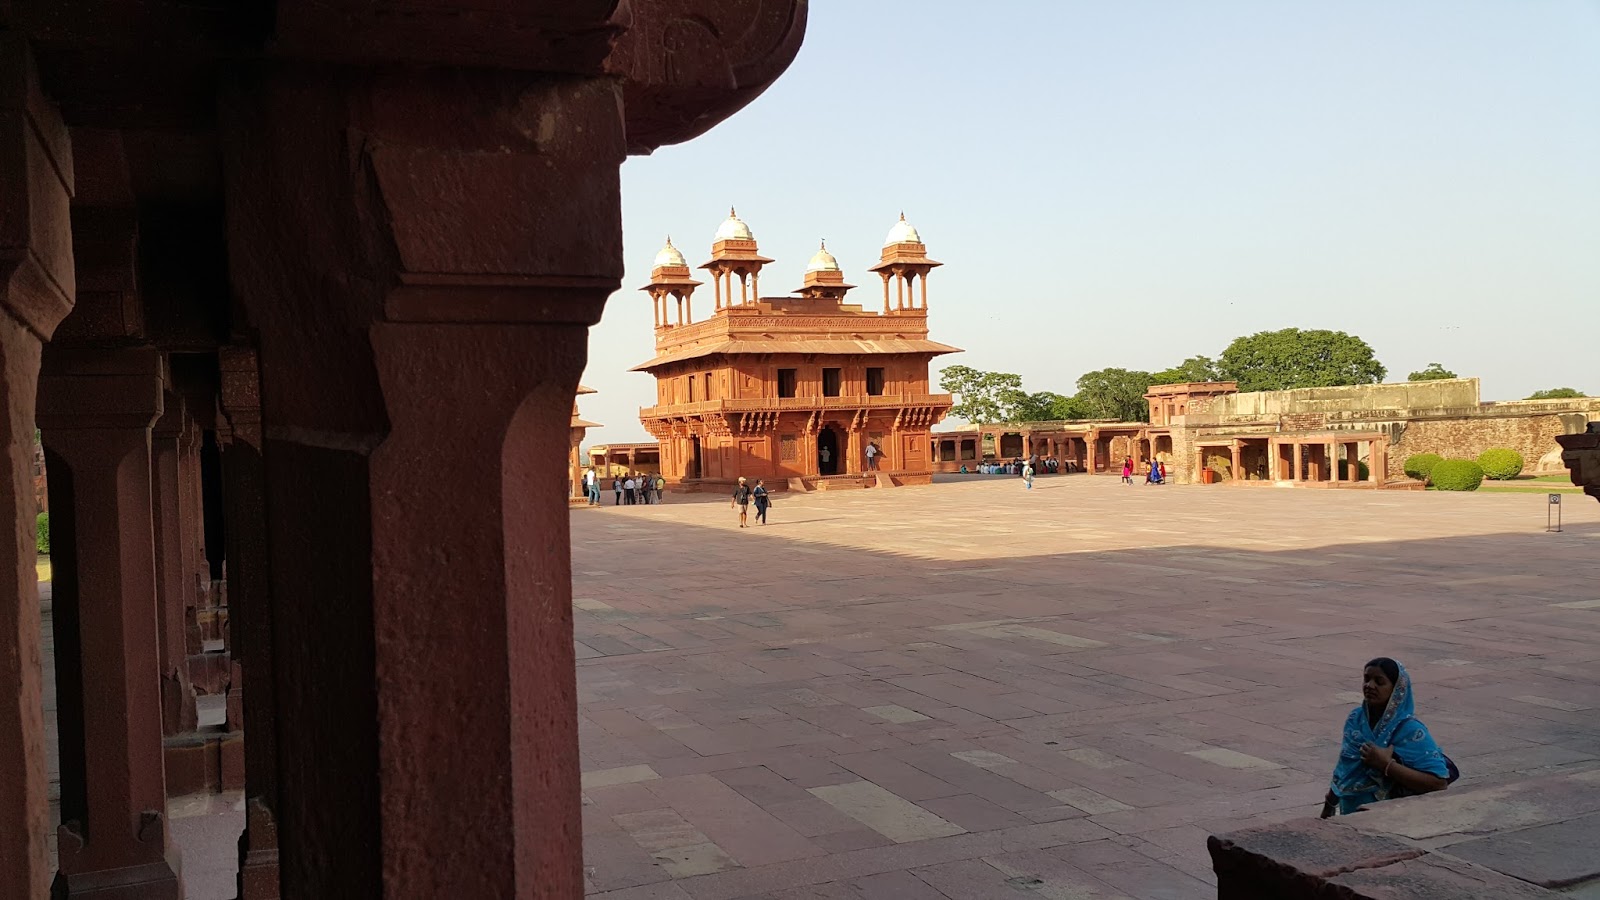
972, 691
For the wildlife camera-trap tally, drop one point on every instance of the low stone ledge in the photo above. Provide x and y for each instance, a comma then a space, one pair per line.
1516, 840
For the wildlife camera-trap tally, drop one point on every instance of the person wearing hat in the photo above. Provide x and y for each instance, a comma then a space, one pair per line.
741, 499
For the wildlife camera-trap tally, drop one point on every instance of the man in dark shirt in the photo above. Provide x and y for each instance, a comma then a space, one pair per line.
741, 499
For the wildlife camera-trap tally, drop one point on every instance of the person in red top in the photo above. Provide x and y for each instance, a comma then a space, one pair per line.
1127, 470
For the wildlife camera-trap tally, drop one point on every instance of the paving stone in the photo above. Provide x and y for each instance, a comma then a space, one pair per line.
1089, 801
619, 775
897, 714
894, 817
1232, 759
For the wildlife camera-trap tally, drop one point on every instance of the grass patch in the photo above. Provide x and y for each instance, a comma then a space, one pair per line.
1507, 489
43, 567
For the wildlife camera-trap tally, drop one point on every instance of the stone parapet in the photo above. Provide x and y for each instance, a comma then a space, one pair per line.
1524, 839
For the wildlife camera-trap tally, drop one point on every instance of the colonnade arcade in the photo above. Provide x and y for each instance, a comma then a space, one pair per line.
317, 277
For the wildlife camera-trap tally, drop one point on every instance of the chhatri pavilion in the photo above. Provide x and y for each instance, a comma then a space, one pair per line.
793, 389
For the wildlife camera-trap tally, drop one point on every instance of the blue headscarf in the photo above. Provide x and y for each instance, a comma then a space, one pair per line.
1356, 784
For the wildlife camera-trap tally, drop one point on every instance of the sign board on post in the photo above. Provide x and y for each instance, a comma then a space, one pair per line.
1552, 516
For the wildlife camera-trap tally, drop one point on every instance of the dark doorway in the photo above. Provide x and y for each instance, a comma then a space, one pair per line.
827, 452
694, 459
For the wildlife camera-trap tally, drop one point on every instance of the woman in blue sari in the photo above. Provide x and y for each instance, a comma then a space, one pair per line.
1386, 751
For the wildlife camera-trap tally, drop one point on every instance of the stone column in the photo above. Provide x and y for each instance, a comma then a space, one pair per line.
1238, 461
168, 500
37, 285
417, 378
1299, 468
852, 452
95, 410
250, 616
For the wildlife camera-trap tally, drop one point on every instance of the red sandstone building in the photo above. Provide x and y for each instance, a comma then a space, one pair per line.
792, 389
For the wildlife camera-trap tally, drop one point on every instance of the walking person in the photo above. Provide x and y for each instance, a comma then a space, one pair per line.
616, 485
1127, 470
627, 490
741, 499
762, 500
1161, 472
872, 457
591, 486
1386, 751
661, 489
1027, 475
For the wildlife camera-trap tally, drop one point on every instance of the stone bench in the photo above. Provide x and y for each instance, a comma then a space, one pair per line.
1526, 839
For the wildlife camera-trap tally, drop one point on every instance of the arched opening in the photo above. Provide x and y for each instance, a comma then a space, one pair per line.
694, 457
827, 452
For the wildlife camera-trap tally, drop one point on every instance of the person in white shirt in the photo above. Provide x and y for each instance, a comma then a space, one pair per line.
627, 490
872, 455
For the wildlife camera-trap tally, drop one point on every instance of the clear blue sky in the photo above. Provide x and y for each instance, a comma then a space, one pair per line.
1127, 183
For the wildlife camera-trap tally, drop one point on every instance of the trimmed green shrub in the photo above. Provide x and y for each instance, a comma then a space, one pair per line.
1456, 475
41, 528
1499, 464
1418, 465
1362, 472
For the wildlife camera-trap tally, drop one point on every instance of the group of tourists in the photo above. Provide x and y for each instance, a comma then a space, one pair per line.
628, 488
1048, 465
1157, 473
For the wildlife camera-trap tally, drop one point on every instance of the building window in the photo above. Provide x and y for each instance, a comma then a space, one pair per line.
708, 385
691, 388
786, 382
830, 382
947, 451
875, 382
788, 447
969, 449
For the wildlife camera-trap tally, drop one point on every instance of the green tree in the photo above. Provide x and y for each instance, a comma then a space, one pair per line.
1434, 372
1115, 394
1193, 369
980, 396
1557, 394
1291, 358
1045, 406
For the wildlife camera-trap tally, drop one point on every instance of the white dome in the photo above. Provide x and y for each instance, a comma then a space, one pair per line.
902, 233
734, 229
669, 256
823, 261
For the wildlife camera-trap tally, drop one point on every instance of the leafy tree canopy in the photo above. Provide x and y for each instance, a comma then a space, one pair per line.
1434, 372
1115, 394
981, 396
1557, 394
1047, 406
1291, 358
1193, 369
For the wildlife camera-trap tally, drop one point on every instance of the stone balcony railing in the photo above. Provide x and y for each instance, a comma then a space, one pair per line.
765, 404
1581, 453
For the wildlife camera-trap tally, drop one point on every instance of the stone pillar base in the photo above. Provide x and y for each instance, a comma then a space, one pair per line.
152, 881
